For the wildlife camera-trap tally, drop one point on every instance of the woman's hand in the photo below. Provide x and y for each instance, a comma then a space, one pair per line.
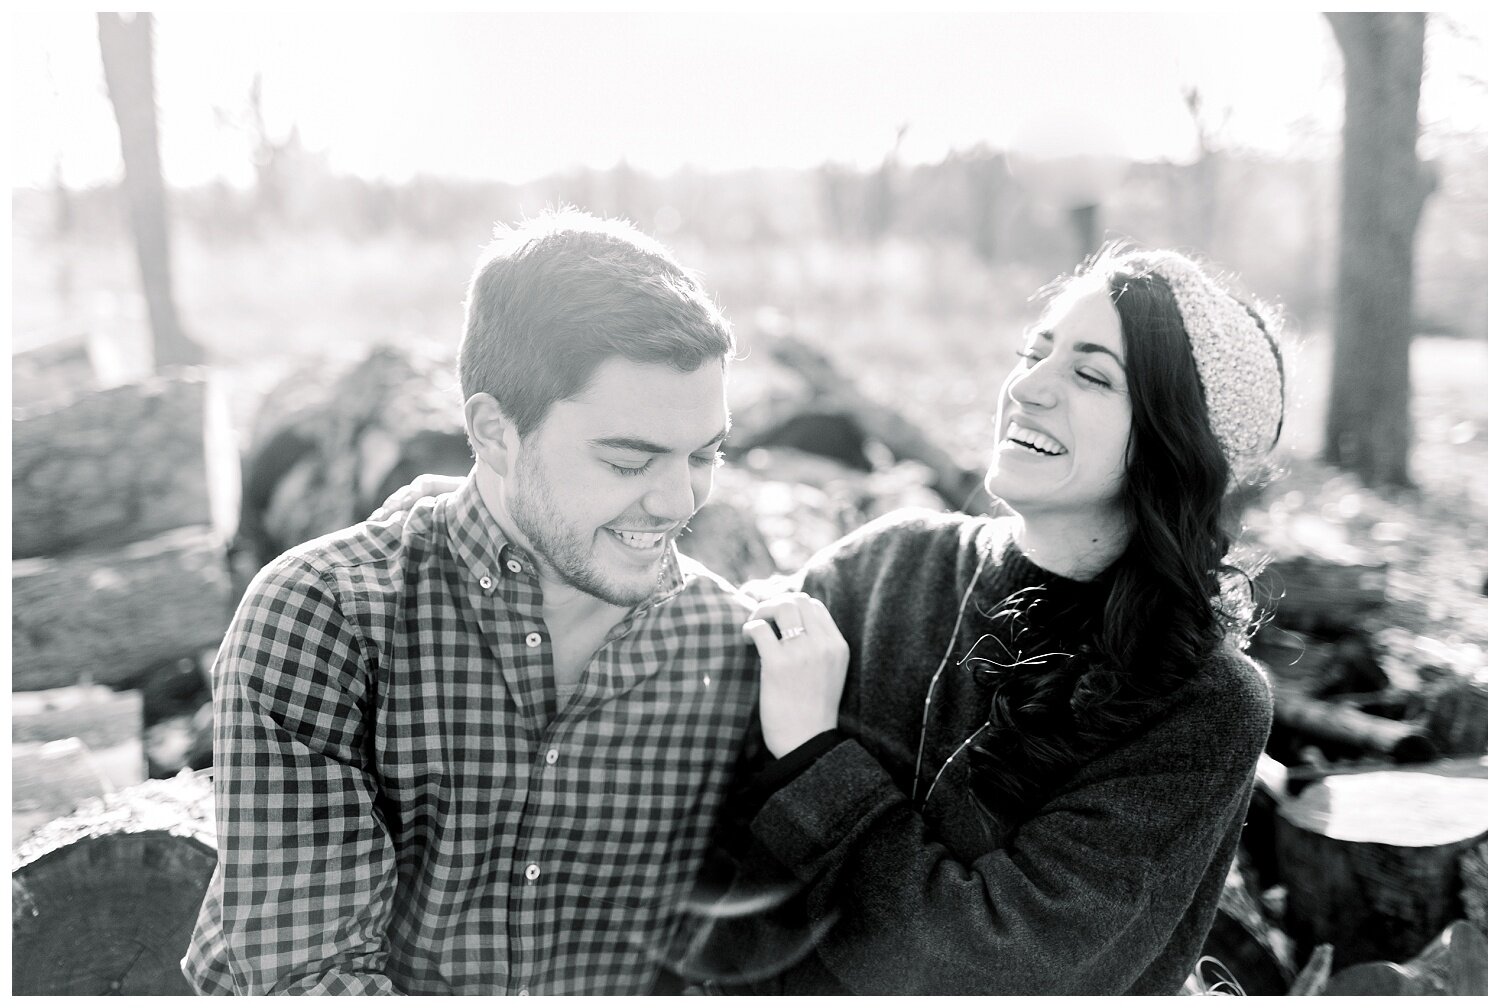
803, 661
425, 485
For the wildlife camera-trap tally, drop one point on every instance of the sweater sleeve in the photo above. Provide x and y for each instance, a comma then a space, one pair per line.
1080, 900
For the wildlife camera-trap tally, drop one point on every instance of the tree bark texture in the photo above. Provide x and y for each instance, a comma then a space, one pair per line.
123, 464
103, 616
1368, 428
125, 47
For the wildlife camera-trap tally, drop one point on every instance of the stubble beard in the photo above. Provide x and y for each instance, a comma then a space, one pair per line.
568, 553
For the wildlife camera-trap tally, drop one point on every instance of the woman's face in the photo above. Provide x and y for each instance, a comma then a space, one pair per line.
1062, 425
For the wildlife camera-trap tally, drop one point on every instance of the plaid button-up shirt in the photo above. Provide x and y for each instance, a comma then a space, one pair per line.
403, 805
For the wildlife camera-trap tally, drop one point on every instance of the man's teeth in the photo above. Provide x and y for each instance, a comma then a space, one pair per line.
639, 540
1035, 440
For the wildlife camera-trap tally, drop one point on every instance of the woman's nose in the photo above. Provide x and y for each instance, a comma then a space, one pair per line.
1035, 386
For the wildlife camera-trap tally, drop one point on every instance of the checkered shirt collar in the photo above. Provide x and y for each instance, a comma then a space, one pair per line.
480, 543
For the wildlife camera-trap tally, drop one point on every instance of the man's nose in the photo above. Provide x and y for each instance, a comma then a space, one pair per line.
673, 496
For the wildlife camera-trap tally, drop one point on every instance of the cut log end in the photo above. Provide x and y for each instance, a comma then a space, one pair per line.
104, 901
1371, 861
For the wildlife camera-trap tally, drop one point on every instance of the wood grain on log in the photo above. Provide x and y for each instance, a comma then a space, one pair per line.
123, 464
1371, 861
104, 901
104, 616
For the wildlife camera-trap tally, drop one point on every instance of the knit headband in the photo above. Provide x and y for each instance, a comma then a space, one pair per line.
1236, 359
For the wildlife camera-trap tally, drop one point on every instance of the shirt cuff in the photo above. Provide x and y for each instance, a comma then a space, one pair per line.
778, 773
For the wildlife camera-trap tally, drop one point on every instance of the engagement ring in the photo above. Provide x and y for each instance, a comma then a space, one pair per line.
793, 632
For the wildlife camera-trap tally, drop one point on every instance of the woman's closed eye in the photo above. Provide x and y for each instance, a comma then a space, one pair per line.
1033, 357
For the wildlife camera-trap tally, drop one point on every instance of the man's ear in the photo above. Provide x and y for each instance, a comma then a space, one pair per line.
491, 433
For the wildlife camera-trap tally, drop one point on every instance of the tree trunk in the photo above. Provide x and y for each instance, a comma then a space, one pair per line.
125, 46
1371, 861
1368, 428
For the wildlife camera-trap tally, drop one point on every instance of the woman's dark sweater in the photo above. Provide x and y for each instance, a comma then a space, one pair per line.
1104, 882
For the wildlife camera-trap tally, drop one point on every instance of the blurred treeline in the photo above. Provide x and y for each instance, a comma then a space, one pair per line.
1273, 221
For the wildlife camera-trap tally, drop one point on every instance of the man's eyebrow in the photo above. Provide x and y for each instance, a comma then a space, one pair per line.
1096, 348
626, 443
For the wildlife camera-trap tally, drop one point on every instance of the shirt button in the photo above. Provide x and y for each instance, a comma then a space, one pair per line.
533, 872
533, 639
486, 582
514, 566
523, 992
551, 756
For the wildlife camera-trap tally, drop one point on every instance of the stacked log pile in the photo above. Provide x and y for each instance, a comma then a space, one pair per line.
122, 501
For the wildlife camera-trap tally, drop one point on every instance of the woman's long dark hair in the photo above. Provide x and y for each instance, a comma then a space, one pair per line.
1168, 600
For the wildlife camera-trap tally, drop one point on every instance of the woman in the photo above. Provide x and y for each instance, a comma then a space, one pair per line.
1034, 778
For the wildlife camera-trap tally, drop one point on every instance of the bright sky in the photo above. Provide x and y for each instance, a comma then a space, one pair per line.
516, 96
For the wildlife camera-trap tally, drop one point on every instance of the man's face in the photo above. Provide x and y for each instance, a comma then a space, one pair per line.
611, 477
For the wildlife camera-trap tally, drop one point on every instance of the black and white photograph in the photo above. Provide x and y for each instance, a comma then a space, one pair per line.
800, 502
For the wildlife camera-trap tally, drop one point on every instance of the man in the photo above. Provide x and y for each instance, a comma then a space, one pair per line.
477, 747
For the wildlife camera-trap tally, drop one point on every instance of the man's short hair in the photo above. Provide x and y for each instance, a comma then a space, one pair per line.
554, 297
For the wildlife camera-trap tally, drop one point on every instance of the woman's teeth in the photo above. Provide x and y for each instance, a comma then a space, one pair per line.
1035, 440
